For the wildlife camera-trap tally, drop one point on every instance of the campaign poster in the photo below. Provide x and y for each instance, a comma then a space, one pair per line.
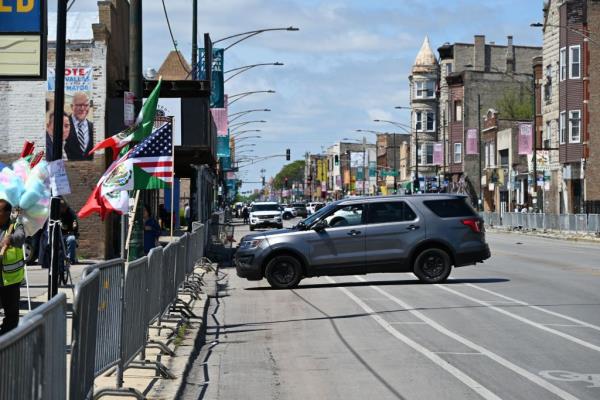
79, 136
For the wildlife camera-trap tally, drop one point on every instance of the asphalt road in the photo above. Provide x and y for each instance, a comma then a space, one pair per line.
523, 325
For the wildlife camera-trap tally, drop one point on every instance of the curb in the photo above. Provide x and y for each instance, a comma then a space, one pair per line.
555, 236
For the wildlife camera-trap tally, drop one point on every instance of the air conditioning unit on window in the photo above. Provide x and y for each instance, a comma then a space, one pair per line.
546, 144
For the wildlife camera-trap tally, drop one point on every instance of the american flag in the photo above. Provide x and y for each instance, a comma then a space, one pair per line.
154, 154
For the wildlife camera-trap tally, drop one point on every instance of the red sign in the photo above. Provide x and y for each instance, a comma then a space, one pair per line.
472, 141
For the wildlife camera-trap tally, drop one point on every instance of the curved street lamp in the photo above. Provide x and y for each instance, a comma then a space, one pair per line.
248, 137
240, 124
246, 68
242, 113
239, 96
583, 33
245, 145
240, 133
249, 34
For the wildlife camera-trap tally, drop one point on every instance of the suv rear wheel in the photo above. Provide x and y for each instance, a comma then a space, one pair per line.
283, 272
432, 266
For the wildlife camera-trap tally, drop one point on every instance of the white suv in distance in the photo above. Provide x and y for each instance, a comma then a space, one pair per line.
314, 207
265, 214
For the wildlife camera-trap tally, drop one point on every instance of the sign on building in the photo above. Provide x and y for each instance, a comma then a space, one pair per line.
23, 39
472, 141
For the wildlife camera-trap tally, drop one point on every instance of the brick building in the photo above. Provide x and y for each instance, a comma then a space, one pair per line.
592, 170
477, 77
95, 40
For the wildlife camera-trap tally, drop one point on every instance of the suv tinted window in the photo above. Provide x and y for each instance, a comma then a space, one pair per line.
393, 211
265, 207
346, 216
448, 208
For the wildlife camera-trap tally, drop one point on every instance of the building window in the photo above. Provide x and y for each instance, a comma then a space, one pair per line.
548, 85
547, 135
427, 153
424, 89
504, 158
563, 64
575, 126
457, 153
448, 69
562, 127
490, 155
430, 122
575, 62
458, 110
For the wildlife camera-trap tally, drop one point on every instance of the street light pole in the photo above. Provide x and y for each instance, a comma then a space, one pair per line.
240, 133
239, 96
249, 34
242, 113
480, 152
246, 68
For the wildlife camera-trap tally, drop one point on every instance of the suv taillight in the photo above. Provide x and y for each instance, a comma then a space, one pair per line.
472, 223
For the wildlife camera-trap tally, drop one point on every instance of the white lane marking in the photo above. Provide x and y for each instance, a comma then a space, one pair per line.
566, 325
569, 376
495, 357
462, 353
577, 321
524, 320
461, 376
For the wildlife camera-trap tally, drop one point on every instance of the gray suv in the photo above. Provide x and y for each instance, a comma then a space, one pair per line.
423, 234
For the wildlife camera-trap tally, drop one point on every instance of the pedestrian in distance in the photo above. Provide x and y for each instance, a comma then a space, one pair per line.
12, 266
246, 214
70, 230
151, 230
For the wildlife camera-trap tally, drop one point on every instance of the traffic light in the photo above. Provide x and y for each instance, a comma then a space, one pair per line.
287, 155
263, 181
285, 184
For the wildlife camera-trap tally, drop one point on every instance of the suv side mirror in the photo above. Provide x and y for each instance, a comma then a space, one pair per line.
320, 225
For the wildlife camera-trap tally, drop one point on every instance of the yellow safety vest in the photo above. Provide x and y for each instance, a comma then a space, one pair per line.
13, 263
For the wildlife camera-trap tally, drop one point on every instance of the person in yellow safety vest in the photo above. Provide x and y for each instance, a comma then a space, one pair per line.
12, 266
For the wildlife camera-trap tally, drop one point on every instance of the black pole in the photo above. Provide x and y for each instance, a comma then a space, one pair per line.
395, 164
194, 38
136, 82
480, 152
418, 186
534, 129
57, 144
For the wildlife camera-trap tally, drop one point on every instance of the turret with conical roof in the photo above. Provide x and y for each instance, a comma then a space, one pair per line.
425, 61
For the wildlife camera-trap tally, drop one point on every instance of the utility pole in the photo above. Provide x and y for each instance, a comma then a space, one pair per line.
480, 152
395, 164
136, 85
534, 129
57, 142
194, 38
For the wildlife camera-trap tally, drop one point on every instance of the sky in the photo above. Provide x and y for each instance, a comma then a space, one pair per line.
347, 65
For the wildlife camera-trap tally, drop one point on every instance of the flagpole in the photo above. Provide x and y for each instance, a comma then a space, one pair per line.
131, 221
172, 179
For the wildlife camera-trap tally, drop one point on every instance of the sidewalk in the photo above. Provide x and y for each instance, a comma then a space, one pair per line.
548, 234
179, 337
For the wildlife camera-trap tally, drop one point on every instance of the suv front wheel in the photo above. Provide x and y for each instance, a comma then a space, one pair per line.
432, 266
283, 272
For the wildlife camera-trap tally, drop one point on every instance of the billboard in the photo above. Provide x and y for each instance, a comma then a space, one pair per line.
438, 153
23, 39
78, 129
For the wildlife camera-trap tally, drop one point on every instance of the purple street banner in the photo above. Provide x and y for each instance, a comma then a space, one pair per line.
472, 141
525, 139
438, 154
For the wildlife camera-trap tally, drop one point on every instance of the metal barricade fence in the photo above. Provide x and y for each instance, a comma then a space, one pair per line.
54, 320
83, 343
133, 325
154, 282
181, 262
22, 362
581, 224
110, 313
594, 223
168, 292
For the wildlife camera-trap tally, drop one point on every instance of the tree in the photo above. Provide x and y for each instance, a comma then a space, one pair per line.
515, 106
293, 171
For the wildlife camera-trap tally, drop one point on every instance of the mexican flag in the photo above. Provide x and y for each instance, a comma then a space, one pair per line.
149, 165
141, 128
105, 203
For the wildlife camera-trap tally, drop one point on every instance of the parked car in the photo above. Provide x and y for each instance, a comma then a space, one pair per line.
265, 214
289, 212
312, 208
423, 234
300, 210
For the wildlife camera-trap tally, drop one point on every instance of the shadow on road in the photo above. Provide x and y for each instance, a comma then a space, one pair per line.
386, 283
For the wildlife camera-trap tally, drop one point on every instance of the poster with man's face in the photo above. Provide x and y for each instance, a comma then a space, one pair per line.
78, 129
